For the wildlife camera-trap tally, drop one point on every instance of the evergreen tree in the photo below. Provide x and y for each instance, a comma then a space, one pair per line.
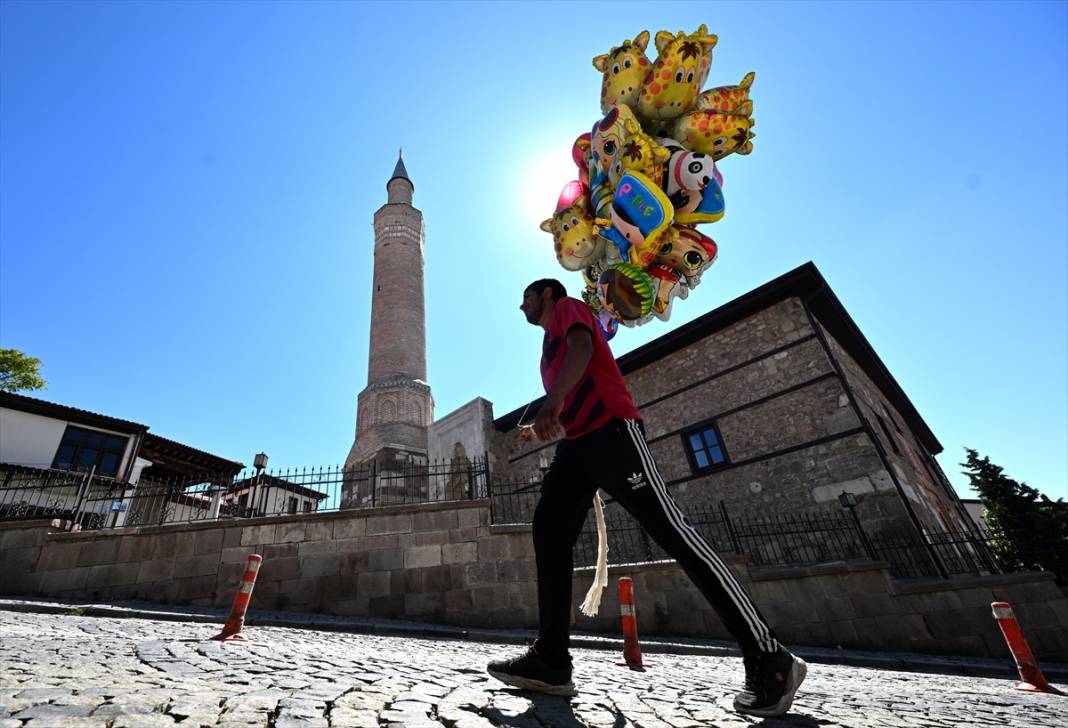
1031, 531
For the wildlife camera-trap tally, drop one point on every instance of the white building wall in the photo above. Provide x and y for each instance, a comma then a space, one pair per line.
28, 439
32, 440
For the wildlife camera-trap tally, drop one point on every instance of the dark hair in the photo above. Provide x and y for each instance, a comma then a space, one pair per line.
542, 283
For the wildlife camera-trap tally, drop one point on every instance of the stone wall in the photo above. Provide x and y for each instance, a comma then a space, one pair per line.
20, 549
433, 562
933, 499
444, 563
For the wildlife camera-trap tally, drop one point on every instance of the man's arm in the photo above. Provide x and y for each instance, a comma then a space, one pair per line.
577, 358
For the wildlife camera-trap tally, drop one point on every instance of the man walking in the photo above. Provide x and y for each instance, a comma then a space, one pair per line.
604, 447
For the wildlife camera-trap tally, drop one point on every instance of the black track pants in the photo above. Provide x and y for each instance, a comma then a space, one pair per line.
616, 459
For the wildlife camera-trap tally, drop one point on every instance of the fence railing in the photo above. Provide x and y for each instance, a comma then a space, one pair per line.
779, 541
794, 539
84, 502
512, 501
30, 493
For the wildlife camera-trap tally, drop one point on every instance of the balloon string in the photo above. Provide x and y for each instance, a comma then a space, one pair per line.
529, 425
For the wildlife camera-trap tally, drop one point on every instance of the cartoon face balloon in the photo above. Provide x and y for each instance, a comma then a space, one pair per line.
609, 135
626, 292
670, 88
692, 183
688, 253
606, 144
623, 67
717, 134
640, 213
575, 236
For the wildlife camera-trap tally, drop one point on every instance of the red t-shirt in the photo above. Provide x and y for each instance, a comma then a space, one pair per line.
600, 394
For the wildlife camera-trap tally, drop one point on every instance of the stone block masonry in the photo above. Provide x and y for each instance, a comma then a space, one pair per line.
444, 563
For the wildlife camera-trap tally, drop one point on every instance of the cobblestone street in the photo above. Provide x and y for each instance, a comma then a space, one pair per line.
75, 672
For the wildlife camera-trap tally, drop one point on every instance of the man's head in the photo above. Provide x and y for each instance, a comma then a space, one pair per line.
539, 297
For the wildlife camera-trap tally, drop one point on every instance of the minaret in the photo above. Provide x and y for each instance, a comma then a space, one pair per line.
394, 410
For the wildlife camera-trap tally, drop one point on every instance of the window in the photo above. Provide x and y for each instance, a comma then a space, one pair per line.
82, 449
886, 431
292, 505
307, 506
705, 448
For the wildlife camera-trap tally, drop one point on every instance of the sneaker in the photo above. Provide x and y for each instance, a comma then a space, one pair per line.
771, 679
530, 672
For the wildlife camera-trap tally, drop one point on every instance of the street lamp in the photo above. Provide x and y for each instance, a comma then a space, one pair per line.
849, 502
259, 462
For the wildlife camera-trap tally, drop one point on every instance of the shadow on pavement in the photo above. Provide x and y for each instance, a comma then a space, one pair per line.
547, 709
795, 719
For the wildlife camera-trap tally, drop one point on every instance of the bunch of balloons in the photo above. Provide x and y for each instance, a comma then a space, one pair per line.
647, 176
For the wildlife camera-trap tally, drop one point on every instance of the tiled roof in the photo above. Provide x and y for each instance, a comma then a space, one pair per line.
73, 414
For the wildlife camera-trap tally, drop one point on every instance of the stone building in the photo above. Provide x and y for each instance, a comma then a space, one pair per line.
396, 407
776, 403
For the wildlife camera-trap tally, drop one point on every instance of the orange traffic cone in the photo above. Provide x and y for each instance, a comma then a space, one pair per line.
1032, 678
632, 651
232, 629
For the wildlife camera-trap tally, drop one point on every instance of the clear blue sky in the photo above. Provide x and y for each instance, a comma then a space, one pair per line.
186, 195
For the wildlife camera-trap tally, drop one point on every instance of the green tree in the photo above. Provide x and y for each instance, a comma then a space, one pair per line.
18, 371
1031, 531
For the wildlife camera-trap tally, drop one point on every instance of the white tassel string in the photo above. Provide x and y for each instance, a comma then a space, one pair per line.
592, 602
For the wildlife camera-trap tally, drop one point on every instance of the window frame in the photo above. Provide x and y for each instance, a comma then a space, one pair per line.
73, 432
886, 431
691, 454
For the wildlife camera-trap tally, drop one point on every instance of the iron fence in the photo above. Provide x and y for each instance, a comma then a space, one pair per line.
512, 501
29, 493
795, 539
85, 502
973, 552
788, 540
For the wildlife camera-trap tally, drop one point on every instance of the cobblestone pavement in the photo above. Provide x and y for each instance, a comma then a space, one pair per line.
75, 672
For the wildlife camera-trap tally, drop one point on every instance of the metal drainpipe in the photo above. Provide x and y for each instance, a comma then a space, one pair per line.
871, 434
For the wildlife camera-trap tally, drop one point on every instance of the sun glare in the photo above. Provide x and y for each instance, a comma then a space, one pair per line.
549, 172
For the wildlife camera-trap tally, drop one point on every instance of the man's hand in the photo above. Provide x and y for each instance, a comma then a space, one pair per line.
577, 358
547, 423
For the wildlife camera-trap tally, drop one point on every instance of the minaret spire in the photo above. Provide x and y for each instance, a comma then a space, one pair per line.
396, 407
400, 172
